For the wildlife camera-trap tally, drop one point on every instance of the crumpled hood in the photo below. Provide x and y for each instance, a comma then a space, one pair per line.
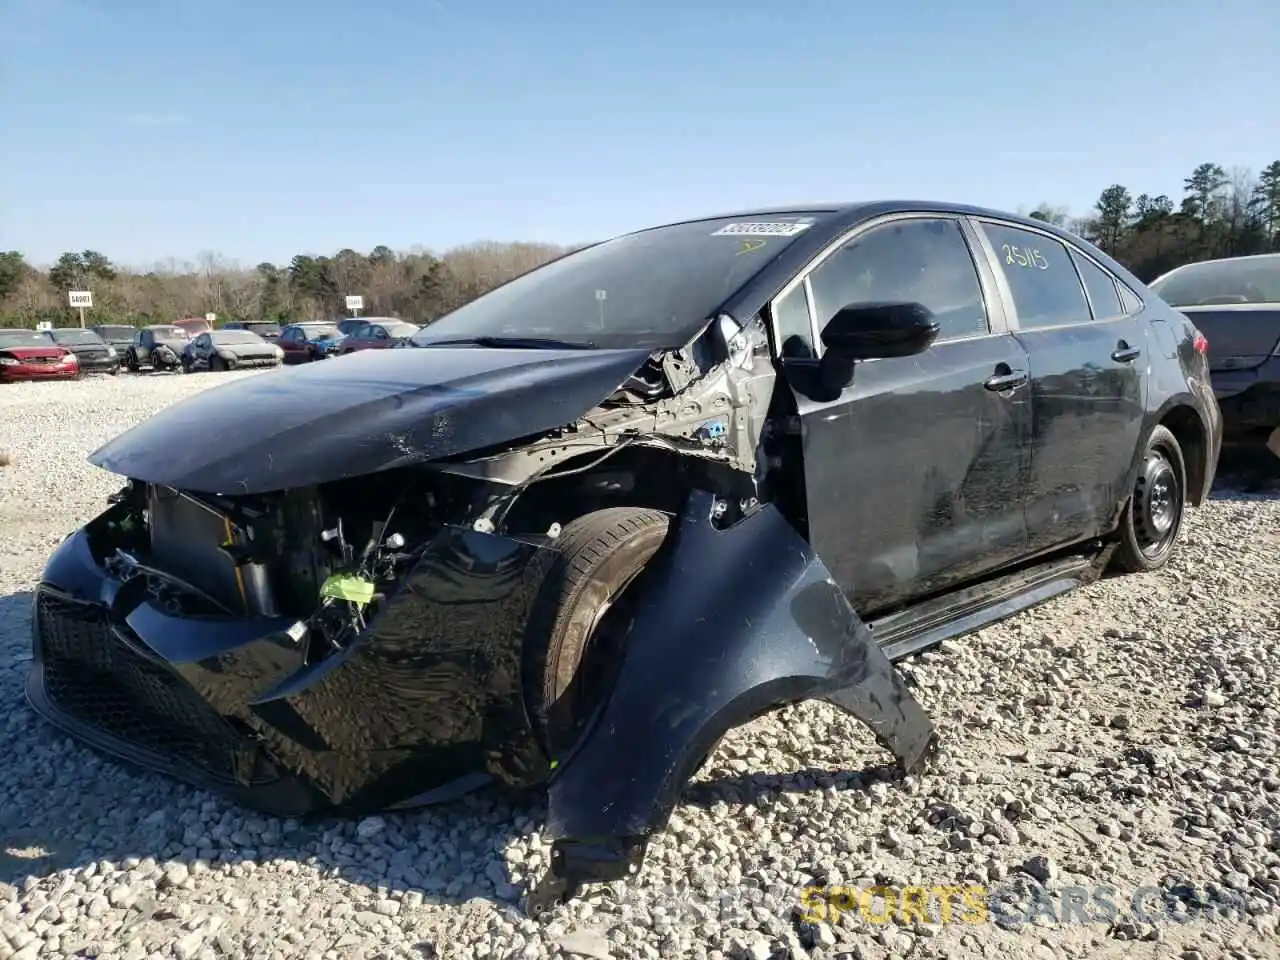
368, 411
51, 352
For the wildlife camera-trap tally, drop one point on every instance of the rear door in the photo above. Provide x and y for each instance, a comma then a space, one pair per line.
915, 474
1087, 356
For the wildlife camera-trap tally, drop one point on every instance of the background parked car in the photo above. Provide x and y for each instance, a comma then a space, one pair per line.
305, 342
267, 329
378, 335
1235, 303
193, 325
230, 350
93, 353
158, 346
30, 355
119, 335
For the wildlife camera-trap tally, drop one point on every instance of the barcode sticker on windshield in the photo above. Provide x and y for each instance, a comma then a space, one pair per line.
762, 229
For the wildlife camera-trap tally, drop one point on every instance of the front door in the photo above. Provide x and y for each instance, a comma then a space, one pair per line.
1086, 359
915, 474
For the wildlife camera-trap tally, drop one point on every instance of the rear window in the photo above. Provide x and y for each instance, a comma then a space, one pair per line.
1222, 282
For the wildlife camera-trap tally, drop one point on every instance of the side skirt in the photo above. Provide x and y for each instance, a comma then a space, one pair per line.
964, 611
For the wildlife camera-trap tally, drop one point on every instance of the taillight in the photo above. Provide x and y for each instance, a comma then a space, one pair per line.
1202, 343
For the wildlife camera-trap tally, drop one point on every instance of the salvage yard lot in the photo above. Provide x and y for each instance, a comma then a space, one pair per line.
1122, 736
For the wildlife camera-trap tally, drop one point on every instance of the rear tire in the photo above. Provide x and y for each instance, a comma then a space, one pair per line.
581, 617
217, 364
1152, 520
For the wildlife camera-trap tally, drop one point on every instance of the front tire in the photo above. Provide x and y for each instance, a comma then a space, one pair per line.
581, 616
1152, 520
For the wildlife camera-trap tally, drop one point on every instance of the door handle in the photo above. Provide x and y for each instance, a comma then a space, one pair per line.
1125, 353
1006, 381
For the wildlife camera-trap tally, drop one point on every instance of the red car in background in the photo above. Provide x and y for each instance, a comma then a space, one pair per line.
378, 334
30, 355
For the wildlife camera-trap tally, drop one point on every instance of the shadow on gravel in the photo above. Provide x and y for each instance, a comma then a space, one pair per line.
1252, 470
750, 788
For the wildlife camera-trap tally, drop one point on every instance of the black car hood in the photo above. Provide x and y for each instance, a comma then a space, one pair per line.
368, 411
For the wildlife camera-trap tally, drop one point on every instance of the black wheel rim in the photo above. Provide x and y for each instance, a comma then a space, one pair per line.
1158, 499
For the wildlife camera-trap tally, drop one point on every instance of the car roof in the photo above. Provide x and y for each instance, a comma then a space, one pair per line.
852, 211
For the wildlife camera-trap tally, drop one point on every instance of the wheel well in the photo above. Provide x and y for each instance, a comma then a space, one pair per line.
640, 477
1184, 423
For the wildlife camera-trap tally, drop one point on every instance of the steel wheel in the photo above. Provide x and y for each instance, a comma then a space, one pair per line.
1152, 520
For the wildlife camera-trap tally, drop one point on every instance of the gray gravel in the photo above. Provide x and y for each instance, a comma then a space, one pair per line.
1125, 735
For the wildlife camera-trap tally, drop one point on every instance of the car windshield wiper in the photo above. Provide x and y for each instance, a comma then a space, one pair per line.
516, 343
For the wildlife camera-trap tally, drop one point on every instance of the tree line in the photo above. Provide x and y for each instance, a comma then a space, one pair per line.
1220, 213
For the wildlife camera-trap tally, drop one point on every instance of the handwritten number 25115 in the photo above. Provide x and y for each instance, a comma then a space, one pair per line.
1025, 257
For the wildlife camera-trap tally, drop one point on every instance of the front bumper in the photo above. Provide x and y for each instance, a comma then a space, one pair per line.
38, 371
425, 704
100, 365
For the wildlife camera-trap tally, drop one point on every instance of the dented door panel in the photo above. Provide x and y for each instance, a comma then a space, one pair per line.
916, 475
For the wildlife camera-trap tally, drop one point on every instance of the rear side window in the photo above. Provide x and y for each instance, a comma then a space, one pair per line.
1042, 279
1103, 296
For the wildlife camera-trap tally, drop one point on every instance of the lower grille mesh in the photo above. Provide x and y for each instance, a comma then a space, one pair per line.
97, 679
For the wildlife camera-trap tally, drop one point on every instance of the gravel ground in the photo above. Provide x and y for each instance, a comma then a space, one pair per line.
1124, 736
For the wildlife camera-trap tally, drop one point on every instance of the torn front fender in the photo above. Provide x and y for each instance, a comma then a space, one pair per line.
732, 623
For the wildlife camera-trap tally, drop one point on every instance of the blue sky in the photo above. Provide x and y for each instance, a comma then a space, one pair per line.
150, 129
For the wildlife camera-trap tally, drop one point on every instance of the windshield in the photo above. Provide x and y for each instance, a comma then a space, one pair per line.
1246, 280
400, 329
261, 327
81, 337
23, 338
647, 289
235, 336
170, 333
118, 333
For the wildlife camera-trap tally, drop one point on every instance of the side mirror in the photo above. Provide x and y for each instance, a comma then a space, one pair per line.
879, 331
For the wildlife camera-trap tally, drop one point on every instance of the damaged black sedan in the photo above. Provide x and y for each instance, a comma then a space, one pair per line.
595, 519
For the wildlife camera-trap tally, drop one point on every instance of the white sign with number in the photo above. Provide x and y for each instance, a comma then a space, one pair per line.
355, 303
209, 318
81, 298
44, 325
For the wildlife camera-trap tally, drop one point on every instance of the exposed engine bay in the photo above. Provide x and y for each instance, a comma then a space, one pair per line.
330, 554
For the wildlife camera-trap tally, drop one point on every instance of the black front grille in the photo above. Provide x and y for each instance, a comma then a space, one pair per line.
96, 678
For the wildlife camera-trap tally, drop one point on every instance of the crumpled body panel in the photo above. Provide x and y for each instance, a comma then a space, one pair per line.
732, 623
369, 411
